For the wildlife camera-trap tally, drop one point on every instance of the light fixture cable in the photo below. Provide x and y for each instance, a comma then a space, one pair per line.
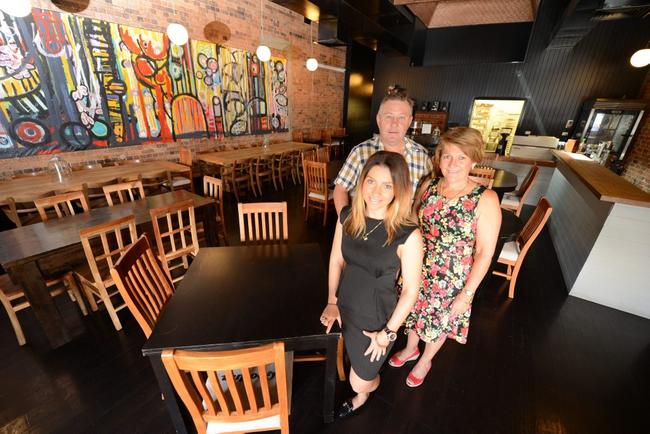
263, 52
311, 64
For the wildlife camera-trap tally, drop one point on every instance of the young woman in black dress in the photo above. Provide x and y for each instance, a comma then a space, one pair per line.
374, 239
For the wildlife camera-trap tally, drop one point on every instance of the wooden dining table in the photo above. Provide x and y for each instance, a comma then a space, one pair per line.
243, 296
32, 187
29, 253
221, 158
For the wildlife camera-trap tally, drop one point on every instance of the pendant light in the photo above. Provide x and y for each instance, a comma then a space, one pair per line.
177, 33
16, 8
311, 63
641, 58
263, 52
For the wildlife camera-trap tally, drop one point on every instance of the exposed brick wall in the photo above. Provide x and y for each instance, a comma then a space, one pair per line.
315, 98
637, 169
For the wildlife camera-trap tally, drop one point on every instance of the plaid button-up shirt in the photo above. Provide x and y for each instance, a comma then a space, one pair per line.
417, 160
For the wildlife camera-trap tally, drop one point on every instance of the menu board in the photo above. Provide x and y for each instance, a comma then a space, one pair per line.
494, 117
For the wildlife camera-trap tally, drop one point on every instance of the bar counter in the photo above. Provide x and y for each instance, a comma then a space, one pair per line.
600, 228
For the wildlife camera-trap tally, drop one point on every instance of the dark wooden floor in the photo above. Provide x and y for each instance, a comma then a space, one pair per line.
543, 363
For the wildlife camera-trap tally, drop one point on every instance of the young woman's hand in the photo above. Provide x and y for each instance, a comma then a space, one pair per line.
459, 306
330, 314
375, 350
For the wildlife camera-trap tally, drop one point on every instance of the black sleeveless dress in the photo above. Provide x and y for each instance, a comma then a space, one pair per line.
366, 292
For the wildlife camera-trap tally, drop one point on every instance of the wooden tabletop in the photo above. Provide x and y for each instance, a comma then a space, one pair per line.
605, 184
32, 187
229, 157
31, 242
235, 297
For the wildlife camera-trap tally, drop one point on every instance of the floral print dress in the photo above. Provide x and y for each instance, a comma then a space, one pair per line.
448, 231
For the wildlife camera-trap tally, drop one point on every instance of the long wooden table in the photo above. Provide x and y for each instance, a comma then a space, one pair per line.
31, 252
229, 157
32, 187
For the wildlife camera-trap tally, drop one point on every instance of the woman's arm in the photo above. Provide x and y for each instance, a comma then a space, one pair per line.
411, 254
337, 264
487, 232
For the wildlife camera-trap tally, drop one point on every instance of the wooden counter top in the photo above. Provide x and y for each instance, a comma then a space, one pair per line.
605, 184
531, 161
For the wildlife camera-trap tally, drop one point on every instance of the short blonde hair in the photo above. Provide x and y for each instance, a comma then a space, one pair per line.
399, 210
469, 140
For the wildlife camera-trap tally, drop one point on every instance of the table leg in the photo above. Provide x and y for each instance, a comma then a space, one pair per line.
29, 277
210, 224
168, 392
330, 379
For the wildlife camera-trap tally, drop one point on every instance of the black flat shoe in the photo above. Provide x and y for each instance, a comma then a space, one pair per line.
346, 409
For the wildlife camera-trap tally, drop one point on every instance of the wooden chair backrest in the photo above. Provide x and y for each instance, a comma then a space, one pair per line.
143, 284
124, 191
63, 204
534, 225
308, 156
103, 245
213, 187
483, 172
326, 135
315, 134
191, 371
21, 211
175, 230
316, 177
528, 182
185, 156
87, 167
263, 222
297, 136
338, 131
323, 154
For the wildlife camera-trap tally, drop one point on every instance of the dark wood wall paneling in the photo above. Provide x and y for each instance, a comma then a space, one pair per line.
358, 119
555, 82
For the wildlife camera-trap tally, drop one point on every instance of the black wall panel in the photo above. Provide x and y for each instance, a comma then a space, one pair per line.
555, 82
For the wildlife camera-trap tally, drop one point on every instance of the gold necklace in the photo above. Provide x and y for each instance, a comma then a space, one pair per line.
364, 237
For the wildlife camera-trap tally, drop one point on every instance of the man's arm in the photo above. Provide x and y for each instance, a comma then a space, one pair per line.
341, 198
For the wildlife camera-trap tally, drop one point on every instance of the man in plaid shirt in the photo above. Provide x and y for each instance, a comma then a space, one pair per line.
393, 119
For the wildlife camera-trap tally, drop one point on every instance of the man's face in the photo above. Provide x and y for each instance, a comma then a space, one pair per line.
393, 120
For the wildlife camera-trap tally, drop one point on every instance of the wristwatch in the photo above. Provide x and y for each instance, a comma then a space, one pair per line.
391, 335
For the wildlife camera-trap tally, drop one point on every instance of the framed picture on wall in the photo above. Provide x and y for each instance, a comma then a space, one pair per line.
494, 117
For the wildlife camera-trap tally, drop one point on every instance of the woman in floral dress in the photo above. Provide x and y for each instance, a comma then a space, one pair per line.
459, 220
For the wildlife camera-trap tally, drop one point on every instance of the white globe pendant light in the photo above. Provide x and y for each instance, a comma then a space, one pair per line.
263, 53
177, 33
311, 64
641, 58
16, 8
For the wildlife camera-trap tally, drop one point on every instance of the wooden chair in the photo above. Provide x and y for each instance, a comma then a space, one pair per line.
14, 300
263, 171
514, 252
89, 166
143, 284
124, 191
323, 154
103, 244
282, 168
176, 237
306, 156
263, 222
181, 180
515, 201
483, 175
94, 192
63, 204
318, 193
206, 383
297, 136
21, 211
213, 187
237, 174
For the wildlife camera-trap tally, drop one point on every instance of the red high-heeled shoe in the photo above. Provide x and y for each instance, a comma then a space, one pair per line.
396, 362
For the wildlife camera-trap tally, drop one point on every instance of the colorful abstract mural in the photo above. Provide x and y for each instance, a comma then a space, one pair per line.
71, 83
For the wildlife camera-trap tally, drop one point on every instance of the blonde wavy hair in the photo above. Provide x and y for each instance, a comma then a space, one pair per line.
399, 210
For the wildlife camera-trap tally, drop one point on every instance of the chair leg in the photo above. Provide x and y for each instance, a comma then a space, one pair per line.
325, 213
339, 359
108, 304
90, 297
18, 330
513, 279
73, 288
307, 211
